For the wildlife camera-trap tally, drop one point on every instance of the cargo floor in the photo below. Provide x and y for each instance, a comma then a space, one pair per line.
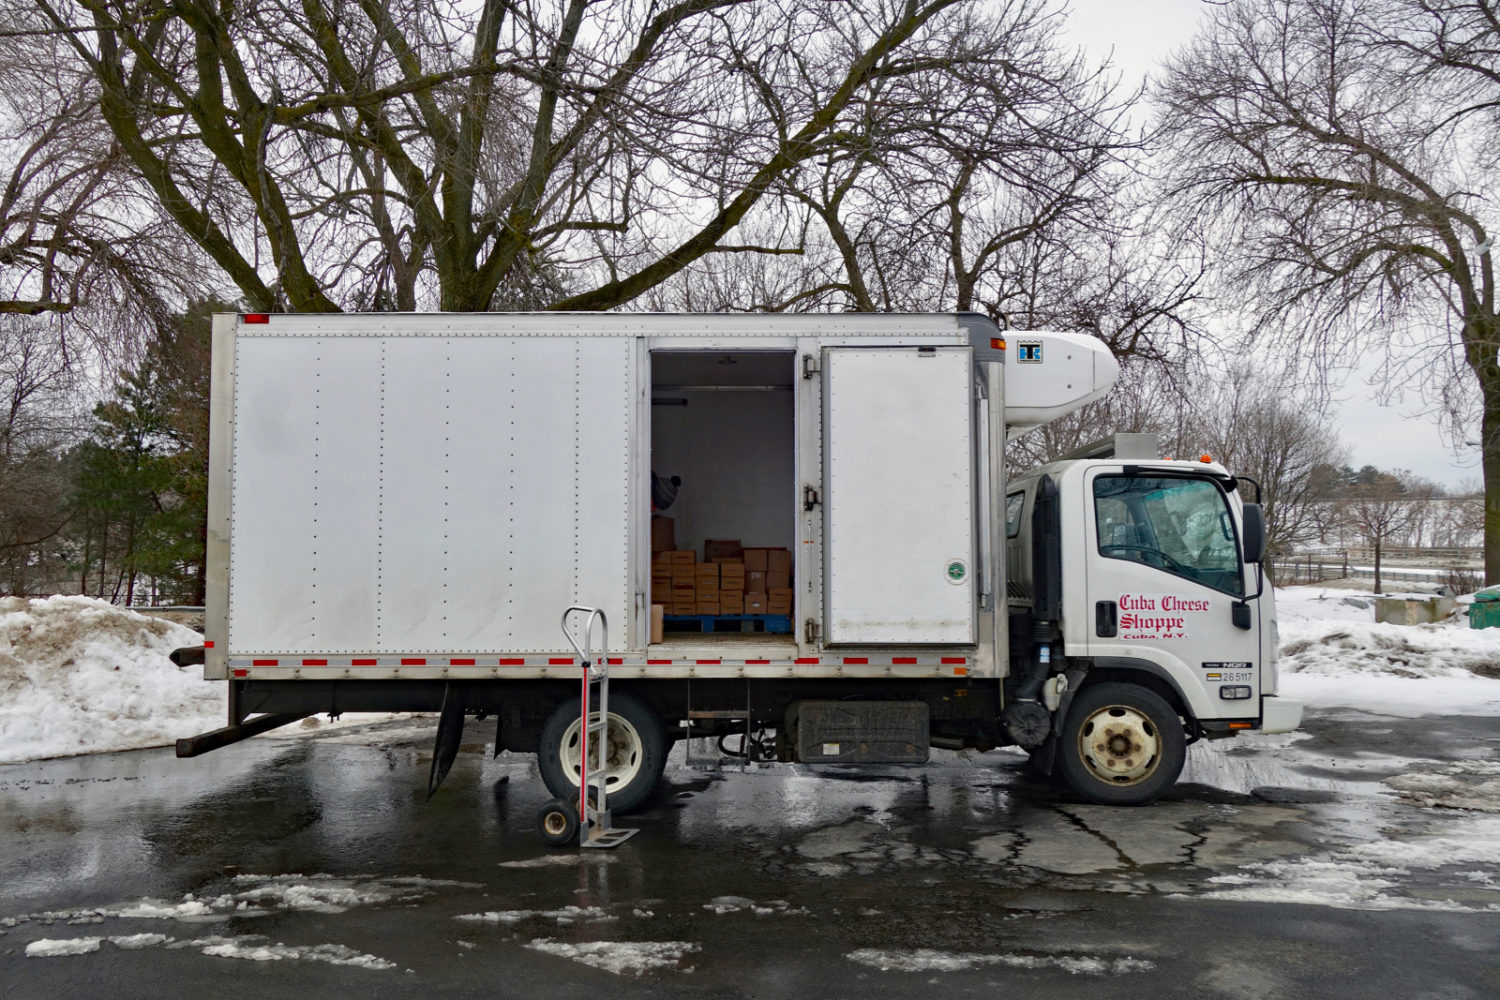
765, 643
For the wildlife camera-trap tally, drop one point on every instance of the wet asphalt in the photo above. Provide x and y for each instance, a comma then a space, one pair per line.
315, 865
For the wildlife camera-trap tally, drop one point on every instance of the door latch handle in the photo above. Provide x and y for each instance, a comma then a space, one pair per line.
1106, 619
810, 498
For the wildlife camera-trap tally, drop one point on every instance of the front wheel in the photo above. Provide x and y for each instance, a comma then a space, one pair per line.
1121, 745
634, 758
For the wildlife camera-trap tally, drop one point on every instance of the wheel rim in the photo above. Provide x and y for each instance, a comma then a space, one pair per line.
555, 823
1120, 745
622, 761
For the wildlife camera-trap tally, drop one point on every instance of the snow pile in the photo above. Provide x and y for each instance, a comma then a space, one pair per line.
260, 895
1366, 876
1447, 789
619, 957
60, 947
1334, 653
78, 675
565, 916
931, 960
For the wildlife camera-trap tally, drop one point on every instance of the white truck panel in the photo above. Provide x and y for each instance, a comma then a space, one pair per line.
478, 486
899, 496
1049, 375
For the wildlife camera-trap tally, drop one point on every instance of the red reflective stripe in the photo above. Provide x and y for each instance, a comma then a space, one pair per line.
264, 663
561, 661
806, 659
461, 663
903, 659
514, 661
710, 661
856, 659
208, 644
614, 660
659, 663
748, 662
315, 663
242, 673
414, 661
955, 659
363, 663
256, 318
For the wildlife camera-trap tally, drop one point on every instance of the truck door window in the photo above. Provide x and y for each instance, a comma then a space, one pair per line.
1177, 525
1014, 503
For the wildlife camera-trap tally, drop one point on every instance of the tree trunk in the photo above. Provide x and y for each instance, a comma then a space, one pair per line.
1377, 565
1490, 458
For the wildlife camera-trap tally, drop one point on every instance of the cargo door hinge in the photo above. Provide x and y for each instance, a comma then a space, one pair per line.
812, 631
810, 497
811, 365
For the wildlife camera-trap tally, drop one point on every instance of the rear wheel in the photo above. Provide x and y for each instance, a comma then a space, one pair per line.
634, 757
1121, 745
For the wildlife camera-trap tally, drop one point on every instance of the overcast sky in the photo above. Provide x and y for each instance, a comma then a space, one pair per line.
1141, 33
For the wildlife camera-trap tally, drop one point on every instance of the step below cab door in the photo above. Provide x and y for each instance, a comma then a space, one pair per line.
1164, 571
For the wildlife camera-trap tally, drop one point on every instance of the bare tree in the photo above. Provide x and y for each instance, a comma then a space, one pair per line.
1256, 429
421, 153
1346, 152
1383, 509
38, 419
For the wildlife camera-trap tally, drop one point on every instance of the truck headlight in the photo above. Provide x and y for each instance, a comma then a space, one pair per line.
1234, 692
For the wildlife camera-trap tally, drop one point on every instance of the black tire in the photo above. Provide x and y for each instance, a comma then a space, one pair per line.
638, 751
1122, 745
557, 822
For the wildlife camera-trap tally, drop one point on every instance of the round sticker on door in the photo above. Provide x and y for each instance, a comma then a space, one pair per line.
957, 571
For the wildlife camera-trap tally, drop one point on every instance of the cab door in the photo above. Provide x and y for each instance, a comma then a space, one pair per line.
1164, 571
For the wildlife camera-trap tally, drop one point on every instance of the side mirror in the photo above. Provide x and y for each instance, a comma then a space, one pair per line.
1254, 532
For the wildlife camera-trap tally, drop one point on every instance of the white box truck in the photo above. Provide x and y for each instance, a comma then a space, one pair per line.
402, 506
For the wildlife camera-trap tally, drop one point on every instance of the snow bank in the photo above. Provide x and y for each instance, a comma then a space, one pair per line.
1334, 653
78, 675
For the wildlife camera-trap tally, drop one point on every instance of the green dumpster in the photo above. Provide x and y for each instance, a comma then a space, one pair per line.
1485, 611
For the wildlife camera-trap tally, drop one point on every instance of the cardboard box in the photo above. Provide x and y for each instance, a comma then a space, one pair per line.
658, 612
731, 604
734, 570
755, 559
755, 582
779, 607
715, 549
684, 593
706, 593
661, 559
663, 533
783, 594
707, 607
778, 580
778, 561
756, 604
683, 609
683, 557
707, 573
683, 575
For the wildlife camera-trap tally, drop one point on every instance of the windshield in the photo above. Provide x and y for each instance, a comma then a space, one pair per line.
1178, 525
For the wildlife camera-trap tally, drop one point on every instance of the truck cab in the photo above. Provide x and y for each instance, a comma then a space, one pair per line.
1157, 612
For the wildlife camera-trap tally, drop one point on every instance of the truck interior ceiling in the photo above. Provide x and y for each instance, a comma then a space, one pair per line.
723, 471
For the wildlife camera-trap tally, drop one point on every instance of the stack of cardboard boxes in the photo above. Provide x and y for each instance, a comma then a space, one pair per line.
731, 579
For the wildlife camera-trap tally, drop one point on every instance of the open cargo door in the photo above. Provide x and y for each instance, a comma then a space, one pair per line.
898, 495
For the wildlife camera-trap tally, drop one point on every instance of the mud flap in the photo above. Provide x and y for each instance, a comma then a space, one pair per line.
450, 733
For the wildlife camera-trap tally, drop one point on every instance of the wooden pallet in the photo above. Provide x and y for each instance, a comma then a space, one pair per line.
774, 624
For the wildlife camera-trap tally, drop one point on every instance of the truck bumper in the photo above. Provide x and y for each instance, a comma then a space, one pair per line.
1279, 715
